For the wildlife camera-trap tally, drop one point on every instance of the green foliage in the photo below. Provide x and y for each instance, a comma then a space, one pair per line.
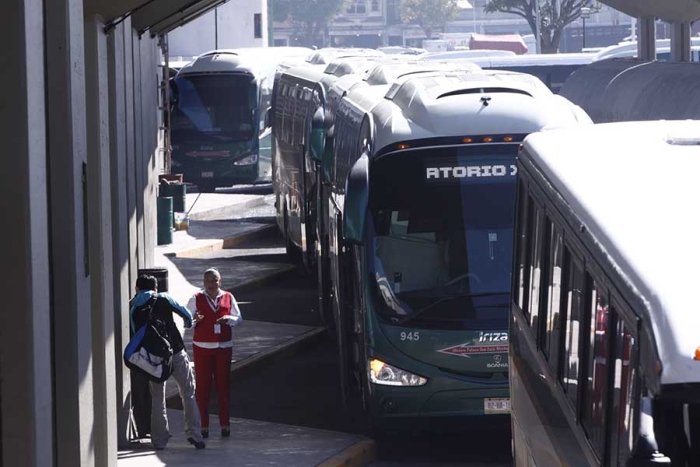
308, 17
555, 15
429, 14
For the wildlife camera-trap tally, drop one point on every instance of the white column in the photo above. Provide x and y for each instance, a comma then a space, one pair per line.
120, 224
68, 198
26, 433
646, 39
100, 232
680, 41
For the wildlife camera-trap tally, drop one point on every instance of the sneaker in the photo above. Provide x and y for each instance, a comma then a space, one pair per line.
197, 444
205, 433
226, 432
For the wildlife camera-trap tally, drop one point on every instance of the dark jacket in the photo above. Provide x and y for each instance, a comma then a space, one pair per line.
163, 308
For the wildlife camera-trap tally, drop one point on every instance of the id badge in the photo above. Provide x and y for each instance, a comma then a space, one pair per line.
217, 329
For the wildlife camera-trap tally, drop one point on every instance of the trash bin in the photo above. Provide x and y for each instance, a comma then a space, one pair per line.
176, 191
165, 221
159, 273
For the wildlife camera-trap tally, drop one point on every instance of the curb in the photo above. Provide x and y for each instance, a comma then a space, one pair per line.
261, 279
359, 454
220, 244
226, 211
268, 355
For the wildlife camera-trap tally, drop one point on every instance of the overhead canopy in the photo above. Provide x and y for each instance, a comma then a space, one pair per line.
162, 16
154, 16
666, 10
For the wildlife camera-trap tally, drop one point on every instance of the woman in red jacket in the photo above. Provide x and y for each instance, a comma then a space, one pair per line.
215, 313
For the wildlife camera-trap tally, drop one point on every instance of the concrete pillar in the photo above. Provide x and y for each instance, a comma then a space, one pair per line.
680, 41
646, 39
70, 259
120, 223
100, 232
149, 167
130, 129
26, 401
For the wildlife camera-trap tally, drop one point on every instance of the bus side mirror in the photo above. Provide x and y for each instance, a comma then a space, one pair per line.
646, 451
268, 117
317, 135
356, 200
327, 162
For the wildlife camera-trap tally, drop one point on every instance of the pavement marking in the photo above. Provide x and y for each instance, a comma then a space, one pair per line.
359, 454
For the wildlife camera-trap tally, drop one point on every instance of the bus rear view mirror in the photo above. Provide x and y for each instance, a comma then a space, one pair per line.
327, 163
356, 199
646, 451
317, 135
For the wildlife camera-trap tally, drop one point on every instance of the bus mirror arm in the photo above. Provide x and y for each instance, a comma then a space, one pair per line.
268, 117
646, 451
356, 200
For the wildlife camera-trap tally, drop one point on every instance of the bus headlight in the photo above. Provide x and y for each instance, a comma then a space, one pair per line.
388, 375
247, 160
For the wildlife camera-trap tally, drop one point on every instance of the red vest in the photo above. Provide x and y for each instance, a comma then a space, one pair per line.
204, 330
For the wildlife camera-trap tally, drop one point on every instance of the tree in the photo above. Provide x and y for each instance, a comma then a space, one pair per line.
308, 17
555, 15
429, 14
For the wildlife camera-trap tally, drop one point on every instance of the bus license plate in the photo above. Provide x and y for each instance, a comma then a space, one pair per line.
494, 406
207, 174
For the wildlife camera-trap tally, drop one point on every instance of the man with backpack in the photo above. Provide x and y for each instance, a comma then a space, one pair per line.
149, 306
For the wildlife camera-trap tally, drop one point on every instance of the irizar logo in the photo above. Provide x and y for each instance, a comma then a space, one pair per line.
470, 171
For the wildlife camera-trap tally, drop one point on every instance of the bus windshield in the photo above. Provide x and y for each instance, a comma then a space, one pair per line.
214, 108
441, 231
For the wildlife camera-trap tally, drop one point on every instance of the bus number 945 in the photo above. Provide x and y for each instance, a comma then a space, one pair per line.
410, 336
493, 336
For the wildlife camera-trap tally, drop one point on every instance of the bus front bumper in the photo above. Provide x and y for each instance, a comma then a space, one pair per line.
429, 408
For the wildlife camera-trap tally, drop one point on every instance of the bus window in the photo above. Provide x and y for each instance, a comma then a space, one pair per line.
536, 251
573, 287
624, 400
553, 329
521, 245
596, 386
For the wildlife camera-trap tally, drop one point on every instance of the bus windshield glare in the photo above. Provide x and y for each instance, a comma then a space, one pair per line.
214, 108
441, 234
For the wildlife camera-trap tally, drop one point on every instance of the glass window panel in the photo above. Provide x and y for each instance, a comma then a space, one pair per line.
553, 329
572, 340
625, 387
535, 265
595, 399
521, 254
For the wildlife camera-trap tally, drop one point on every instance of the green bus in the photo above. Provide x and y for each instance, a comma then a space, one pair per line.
420, 240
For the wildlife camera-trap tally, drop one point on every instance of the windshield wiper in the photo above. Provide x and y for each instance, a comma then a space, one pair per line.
420, 311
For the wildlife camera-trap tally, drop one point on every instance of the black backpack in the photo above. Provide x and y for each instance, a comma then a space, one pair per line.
149, 352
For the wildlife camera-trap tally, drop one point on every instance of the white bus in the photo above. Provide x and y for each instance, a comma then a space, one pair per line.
663, 50
551, 69
420, 230
299, 94
605, 340
217, 115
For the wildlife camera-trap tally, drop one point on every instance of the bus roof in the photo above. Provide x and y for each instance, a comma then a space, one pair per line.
629, 49
633, 186
326, 55
532, 60
457, 54
254, 60
388, 72
451, 103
